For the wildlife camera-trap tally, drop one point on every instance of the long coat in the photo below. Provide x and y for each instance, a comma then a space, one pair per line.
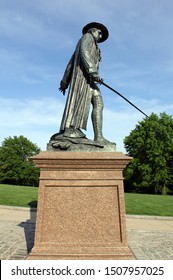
84, 61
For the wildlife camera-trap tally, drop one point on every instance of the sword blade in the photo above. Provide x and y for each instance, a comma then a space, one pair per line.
104, 84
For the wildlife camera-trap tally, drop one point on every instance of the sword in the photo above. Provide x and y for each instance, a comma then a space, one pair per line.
104, 84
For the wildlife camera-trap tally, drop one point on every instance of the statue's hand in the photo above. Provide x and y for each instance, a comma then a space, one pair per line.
95, 77
63, 87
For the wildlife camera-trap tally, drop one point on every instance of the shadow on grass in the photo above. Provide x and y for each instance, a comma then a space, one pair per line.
29, 226
33, 204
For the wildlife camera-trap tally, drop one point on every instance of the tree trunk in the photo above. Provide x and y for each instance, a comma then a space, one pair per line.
164, 191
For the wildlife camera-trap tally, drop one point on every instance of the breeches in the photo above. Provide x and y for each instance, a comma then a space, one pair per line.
96, 99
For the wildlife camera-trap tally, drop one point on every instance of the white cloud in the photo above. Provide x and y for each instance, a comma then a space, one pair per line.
39, 119
18, 66
35, 119
30, 112
29, 26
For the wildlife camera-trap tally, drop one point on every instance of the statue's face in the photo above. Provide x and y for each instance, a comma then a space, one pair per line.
97, 34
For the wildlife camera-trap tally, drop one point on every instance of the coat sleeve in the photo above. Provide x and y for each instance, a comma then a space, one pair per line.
87, 52
67, 74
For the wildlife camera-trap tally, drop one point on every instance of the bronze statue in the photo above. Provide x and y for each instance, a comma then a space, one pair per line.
82, 78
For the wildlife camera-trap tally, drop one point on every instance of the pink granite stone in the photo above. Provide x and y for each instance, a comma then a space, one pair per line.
81, 212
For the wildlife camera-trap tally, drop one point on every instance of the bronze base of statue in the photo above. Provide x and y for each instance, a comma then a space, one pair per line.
65, 142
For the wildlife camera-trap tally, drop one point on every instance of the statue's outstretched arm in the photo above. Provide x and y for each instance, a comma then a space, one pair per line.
67, 76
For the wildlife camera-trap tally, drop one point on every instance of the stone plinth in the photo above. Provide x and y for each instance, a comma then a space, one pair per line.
81, 213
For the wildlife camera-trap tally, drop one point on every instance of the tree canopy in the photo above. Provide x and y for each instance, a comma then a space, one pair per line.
151, 146
16, 167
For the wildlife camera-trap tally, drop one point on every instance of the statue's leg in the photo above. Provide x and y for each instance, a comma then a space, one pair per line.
97, 115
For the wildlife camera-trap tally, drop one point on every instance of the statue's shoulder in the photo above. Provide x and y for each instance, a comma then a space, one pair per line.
87, 36
87, 40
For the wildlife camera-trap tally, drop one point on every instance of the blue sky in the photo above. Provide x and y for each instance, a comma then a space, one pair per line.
37, 40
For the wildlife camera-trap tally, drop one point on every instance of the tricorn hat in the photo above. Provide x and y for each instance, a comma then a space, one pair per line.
105, 32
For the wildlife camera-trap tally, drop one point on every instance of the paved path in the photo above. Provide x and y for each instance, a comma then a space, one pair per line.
150, 238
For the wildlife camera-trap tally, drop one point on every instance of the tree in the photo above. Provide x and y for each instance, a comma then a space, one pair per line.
151, 146
16, 167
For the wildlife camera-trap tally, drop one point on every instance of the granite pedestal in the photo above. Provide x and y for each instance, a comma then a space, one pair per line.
81, 212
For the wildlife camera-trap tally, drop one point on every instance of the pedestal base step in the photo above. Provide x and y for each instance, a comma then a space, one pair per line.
117, 253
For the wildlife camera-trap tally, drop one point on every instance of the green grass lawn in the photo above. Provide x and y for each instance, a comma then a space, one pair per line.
147, 204
136, 204
18, 195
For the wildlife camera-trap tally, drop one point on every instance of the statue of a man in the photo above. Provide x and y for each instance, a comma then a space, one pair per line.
82, 76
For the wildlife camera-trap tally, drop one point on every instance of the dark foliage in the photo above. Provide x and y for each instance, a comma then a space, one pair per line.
16, 166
